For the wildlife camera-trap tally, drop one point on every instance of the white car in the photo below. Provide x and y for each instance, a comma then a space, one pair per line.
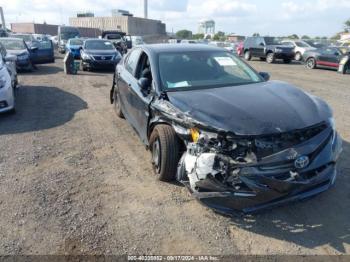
7, 89
300, 47
10, 62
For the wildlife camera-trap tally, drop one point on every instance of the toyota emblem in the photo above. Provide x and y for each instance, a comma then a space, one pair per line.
301, 162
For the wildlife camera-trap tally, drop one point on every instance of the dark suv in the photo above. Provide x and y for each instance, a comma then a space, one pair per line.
267, 48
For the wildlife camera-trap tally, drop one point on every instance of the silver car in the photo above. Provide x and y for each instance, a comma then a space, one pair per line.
7, 88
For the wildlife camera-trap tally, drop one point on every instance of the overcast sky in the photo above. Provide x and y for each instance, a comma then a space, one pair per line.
273, 17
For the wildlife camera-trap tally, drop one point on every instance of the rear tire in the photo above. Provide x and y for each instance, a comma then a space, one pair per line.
164, 146
311, 63
247, 55
270, 58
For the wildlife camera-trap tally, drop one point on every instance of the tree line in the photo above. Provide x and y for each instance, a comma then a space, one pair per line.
222, 36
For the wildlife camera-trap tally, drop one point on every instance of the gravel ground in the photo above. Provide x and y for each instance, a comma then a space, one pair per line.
75, 179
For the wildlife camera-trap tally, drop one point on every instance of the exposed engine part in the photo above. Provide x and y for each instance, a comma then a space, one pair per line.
223, 158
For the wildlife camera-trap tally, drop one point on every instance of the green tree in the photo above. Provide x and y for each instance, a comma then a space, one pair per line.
306, 37
184, 34
293, 36
256, 34
336, 36
220, 36
347, 25
198, 36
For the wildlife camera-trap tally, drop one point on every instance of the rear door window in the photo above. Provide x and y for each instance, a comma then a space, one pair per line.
132, 61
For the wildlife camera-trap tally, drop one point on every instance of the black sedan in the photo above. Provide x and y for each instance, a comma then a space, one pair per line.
17, 46
329, 57
99, 54
210, 121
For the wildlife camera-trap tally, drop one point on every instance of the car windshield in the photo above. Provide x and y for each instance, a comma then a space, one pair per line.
68, 35
203, 69
272, 41
76, 42
99, 45
13, 44
27, 38
302, 44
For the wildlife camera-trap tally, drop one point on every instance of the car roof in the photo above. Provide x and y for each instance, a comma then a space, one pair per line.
168, 48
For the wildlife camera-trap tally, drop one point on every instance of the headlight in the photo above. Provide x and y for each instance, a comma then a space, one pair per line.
117, 56
85, 56
331, 122
198, 135
2, 81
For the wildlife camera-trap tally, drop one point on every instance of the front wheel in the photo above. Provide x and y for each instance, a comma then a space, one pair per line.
311, 63
164, 146
117, 107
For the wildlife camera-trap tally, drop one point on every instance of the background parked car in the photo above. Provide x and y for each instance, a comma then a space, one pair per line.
10, 61
74, 46
137, 41
300, 47
28, 38
7, 89
330, 58
268, 48
17, 46
99, 54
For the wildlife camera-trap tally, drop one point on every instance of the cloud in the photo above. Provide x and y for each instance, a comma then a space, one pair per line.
240, 16
166, 5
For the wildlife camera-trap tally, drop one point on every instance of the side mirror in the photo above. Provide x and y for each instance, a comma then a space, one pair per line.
10, 58
265, 75
144, 84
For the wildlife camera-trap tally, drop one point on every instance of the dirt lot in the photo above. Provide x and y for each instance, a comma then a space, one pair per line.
74, 179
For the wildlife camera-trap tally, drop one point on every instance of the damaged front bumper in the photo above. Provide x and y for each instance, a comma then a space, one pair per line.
255, 183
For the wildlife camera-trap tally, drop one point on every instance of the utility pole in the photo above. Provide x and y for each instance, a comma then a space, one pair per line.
2, 18
145, 8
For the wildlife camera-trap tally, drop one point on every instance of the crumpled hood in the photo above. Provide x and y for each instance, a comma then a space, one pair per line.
256, 109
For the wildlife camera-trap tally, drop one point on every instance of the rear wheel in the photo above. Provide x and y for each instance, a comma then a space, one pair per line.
270, 58
164, 146
247, 55
311, 63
